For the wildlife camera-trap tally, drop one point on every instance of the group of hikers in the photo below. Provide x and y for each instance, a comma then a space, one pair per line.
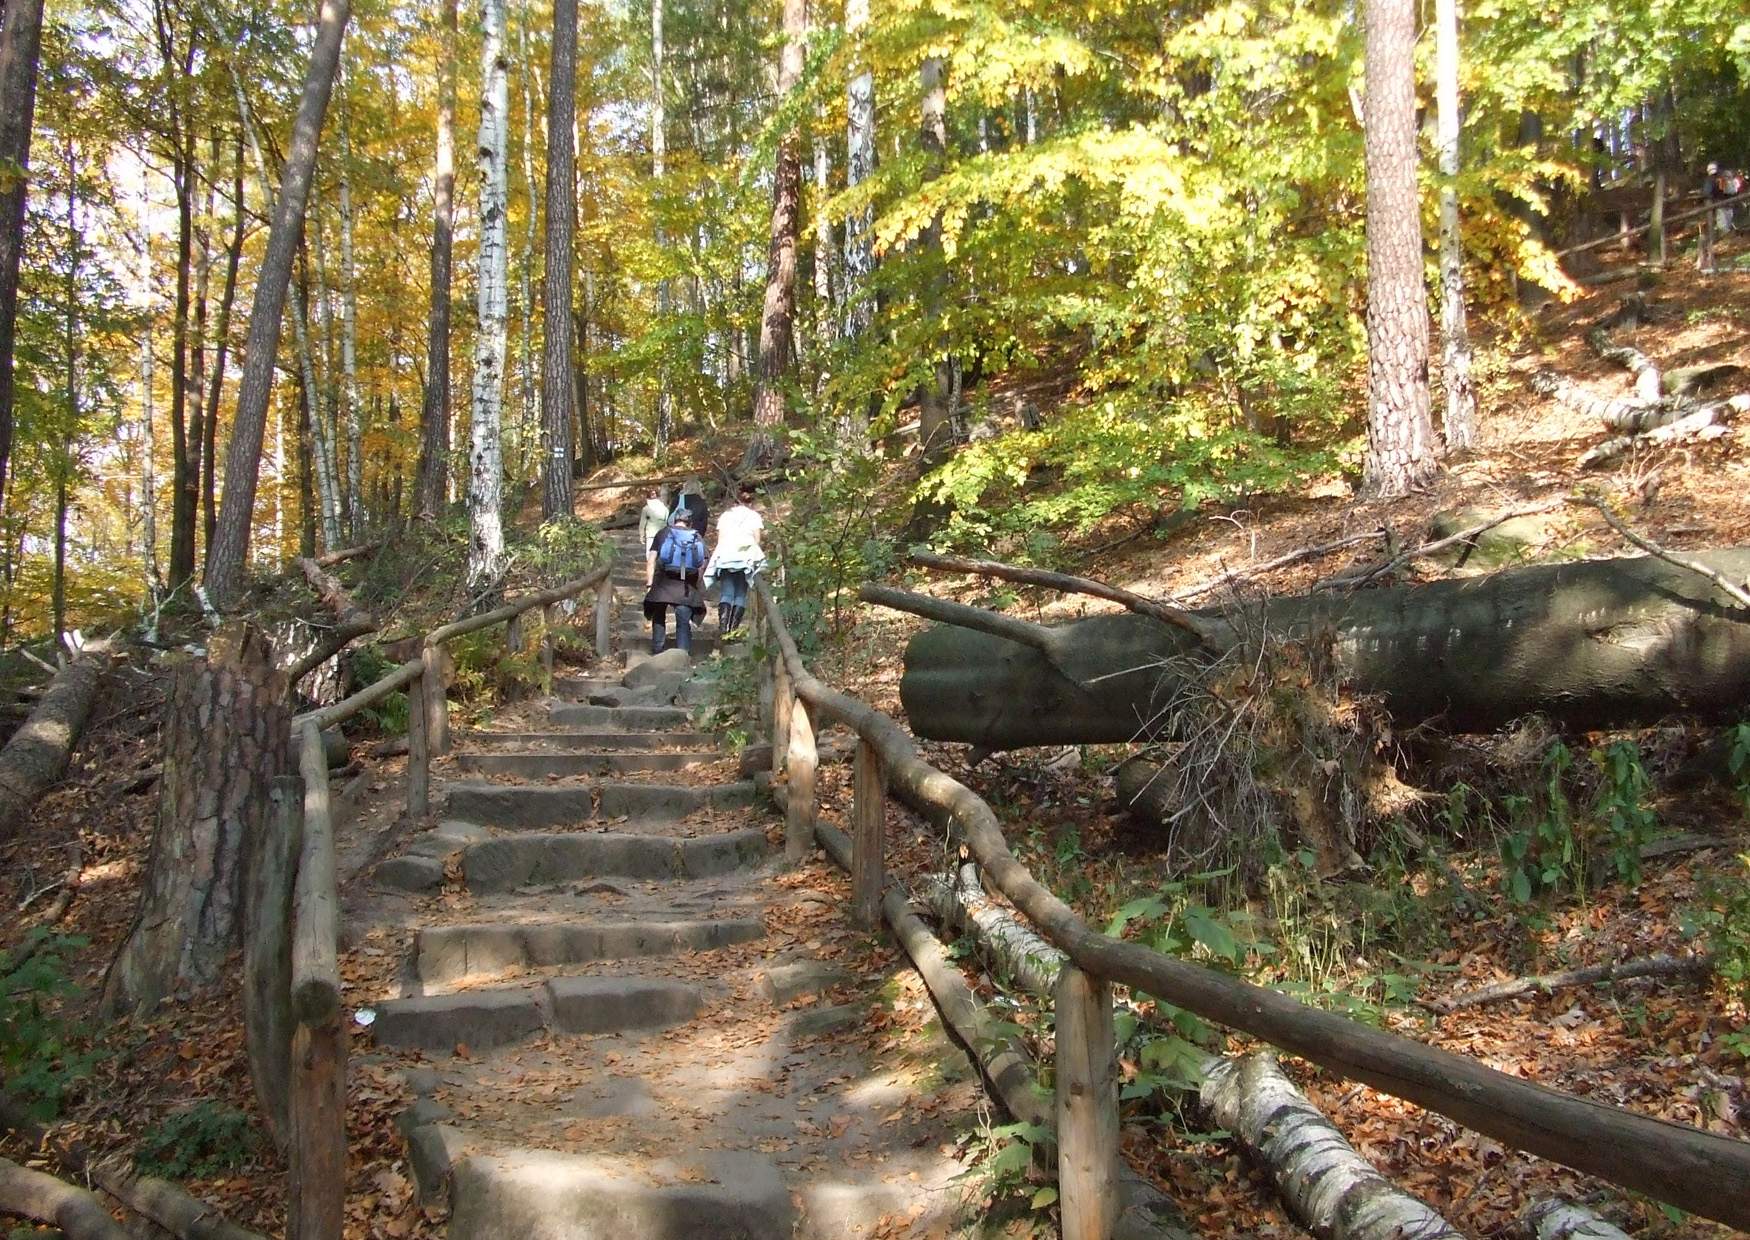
679, 567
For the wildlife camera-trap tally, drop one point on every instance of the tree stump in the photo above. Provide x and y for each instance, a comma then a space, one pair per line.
226, 730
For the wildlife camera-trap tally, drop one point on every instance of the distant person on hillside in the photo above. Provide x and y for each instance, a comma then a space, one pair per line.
673, 568
692, 498
737, 558
653, 518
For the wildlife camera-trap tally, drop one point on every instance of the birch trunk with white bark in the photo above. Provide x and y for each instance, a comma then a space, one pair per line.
355, 468
485, 451
1461, 400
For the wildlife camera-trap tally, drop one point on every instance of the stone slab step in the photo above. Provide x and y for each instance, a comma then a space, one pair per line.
536, 765
500, 1016
451, 954
592, 741
509, 862
540, 1195
619, 718
579, 688
525, 806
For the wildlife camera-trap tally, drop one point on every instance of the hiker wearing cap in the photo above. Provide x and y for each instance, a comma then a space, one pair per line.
736, 559
673, 567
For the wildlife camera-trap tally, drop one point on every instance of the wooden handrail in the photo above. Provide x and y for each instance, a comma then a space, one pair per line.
1673, 1163
1636, 231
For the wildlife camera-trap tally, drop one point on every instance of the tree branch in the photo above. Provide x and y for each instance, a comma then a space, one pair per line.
1281, 561
1430, 548
1650, 966
1737, 593
943, 611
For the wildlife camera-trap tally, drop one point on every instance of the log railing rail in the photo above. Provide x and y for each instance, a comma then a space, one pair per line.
317, 1093
1673, 1163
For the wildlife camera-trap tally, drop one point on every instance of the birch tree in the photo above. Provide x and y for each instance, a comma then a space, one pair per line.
1461, 402
434, 416
658, 166
355, 469
485, 450
859, 164
226, 556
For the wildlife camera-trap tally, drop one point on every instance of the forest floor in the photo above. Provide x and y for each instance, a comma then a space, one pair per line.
1663, 1049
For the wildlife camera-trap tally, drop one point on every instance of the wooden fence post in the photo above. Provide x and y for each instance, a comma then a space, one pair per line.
604, 614
1087, 1107
437, 706
549, 613
418, 749
318, 1089
869, 820
267, 954
783, 703
513, 635
801, 761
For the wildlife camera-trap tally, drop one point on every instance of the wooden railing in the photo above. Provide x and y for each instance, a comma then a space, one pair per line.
1694, 1170
316, 1102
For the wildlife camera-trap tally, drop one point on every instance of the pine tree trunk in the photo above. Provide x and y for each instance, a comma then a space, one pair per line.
226, 557
434, 416
70, 342
201, 465
558, 378
349, 310
221, 350
485, 457
226, 734
21, 27
185, 459
777, 320
1461, 400
1400, 434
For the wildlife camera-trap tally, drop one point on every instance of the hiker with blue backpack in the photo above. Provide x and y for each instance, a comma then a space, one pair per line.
673, 567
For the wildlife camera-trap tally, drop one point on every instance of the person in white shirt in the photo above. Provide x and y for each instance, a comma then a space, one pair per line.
737, 558
653, 518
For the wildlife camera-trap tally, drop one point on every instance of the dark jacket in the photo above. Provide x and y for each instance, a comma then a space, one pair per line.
694, 503
669, 589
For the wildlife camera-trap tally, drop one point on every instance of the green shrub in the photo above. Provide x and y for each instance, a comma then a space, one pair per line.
200, 1141
40, 1062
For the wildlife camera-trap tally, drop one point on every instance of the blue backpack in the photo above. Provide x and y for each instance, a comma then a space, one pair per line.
681, 552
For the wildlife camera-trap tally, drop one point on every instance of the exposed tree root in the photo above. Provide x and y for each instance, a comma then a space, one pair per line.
1650, 966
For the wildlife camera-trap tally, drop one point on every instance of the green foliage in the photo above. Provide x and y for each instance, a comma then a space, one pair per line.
561, 548
1738, 763
1548, 847
370, 664
41, 1059
487, 671
1722, 917
1619, 808
1000, 1158
203, 1140
831, 542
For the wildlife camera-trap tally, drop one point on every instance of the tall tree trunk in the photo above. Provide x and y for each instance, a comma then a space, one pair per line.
777, 320
859, 165
1400, 434
1461, 400
321, 446
200, 465
349, 311
558, 377
434, 417
21, 28
485, 458
226, 735
935, 414
64, 461
527, 414
327, 364
221, 349
825, 251
659, 166
185, 460
306, 475
148, 419
230, 547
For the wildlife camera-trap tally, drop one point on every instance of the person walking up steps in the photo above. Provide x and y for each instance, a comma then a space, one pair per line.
692, 498
673, 567
737, 558
653, 517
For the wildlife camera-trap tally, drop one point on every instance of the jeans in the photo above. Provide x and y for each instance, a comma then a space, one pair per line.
732, 587
683, 628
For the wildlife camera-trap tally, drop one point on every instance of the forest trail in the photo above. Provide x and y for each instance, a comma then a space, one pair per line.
617, 1014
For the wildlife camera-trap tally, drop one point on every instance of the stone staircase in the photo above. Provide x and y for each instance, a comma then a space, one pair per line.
616, 1014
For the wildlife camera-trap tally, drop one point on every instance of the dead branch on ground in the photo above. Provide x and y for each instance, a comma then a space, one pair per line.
1282, 561
1736, 592
1356, 580
1622, 971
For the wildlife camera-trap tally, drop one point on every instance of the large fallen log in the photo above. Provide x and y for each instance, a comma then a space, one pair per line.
36, 756
1600, 643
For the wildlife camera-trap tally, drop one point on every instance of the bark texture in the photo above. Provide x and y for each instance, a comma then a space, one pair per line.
778, 314
40, 1196
485, 451
21, 28
230, 547
1600, 643
1461, 400
1333, 1192
558, 391
859, 166
36, 756
226, 726
1400, 436
434, 417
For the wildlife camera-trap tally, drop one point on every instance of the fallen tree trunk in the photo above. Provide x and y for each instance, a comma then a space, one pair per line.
1621, 971
1332, 1191
1602, 643
36, 756
1549, 1219
39, 1196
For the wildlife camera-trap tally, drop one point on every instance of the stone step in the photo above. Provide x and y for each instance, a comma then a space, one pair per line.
538, 859
619, 718
523, 806
541, 1195
446, 955
537, 765
593, 741
501, 1016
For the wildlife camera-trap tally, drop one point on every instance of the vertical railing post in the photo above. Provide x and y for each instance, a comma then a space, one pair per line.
800, 764
437, 706
783, 703
1087, 1107
513, 634
548, 614
267, 955
418, 748
869, 821
604, 613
